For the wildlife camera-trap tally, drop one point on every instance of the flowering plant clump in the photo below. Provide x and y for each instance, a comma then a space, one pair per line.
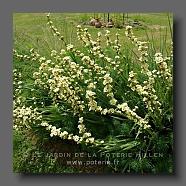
95, 98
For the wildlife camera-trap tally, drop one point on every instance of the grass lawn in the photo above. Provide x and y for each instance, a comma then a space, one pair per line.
30, 29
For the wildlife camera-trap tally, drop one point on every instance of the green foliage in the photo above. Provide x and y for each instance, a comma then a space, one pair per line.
32, 158
119, 131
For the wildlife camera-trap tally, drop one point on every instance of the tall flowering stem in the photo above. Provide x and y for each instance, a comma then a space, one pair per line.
147, 88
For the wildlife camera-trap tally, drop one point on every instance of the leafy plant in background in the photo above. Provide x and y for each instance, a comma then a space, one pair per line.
104, 95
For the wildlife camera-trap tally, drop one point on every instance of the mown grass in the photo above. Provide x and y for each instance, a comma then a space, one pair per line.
30, 31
